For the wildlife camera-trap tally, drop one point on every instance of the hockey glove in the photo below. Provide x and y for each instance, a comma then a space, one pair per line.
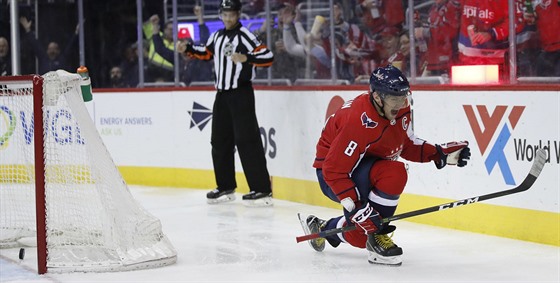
452, 153
368, 219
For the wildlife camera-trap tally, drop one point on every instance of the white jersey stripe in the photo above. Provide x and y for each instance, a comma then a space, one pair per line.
382, 201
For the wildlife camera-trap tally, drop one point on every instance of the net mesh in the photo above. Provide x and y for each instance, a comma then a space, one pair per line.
93, 222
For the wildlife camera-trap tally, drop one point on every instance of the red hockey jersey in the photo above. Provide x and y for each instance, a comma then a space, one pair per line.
357, 130
548, 24
444, 28
485, 15
388, 14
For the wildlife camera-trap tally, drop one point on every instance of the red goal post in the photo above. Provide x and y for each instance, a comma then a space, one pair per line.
58, 184
36, 92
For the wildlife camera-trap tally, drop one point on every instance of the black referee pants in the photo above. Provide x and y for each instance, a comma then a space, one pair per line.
234, 123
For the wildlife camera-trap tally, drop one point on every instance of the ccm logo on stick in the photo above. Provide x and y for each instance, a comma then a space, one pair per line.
458, 203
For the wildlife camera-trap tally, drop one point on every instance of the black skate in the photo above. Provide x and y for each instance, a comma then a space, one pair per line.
311, 225
256, 199
382, 250
219, 196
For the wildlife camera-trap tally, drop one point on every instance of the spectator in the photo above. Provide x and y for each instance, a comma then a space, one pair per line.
294, 43
5, 60
286, 65
319, 55
483, 34
401, 58
375, 15
190, 68
317, 43
389, 45
527, 42
116, 77
362, 51
440, 36
129, 66
51, 59
343, 46
158, 66
253, 7
548, 25
358, 50
348, 11
307, 43
348, 40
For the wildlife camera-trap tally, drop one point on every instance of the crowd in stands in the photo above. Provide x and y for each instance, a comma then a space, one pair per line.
367, 34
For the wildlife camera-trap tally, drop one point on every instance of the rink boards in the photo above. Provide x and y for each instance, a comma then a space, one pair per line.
161, 137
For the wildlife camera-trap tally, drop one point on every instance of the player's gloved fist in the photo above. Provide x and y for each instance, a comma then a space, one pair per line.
358, 213
368, 219
452, 153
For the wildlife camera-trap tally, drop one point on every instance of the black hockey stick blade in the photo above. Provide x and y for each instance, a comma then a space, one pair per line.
536, 168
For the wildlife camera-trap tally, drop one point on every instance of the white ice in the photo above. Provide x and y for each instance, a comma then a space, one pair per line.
233, 243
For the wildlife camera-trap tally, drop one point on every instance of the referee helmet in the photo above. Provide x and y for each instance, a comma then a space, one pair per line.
230, 5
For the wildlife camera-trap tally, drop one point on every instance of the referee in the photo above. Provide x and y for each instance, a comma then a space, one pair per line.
236, 53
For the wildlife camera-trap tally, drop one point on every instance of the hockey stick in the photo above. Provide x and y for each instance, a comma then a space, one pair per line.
536, 168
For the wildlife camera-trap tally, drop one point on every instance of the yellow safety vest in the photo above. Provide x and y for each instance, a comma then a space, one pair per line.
154, 57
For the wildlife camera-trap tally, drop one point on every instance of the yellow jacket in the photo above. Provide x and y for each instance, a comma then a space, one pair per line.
154, 57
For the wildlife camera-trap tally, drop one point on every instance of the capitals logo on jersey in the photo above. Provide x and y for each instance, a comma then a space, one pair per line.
368, 122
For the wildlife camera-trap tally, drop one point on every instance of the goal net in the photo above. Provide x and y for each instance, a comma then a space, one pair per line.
60, 186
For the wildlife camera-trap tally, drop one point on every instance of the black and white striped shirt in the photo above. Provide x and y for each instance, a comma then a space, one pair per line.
222, 44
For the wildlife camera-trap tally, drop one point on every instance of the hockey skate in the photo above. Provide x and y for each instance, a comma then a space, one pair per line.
311, 225
218, 196
382, 250
257, 199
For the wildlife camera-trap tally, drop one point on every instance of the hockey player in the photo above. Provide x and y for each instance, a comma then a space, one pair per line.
356, 163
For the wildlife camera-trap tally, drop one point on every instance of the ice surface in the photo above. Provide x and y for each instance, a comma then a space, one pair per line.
233, 243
